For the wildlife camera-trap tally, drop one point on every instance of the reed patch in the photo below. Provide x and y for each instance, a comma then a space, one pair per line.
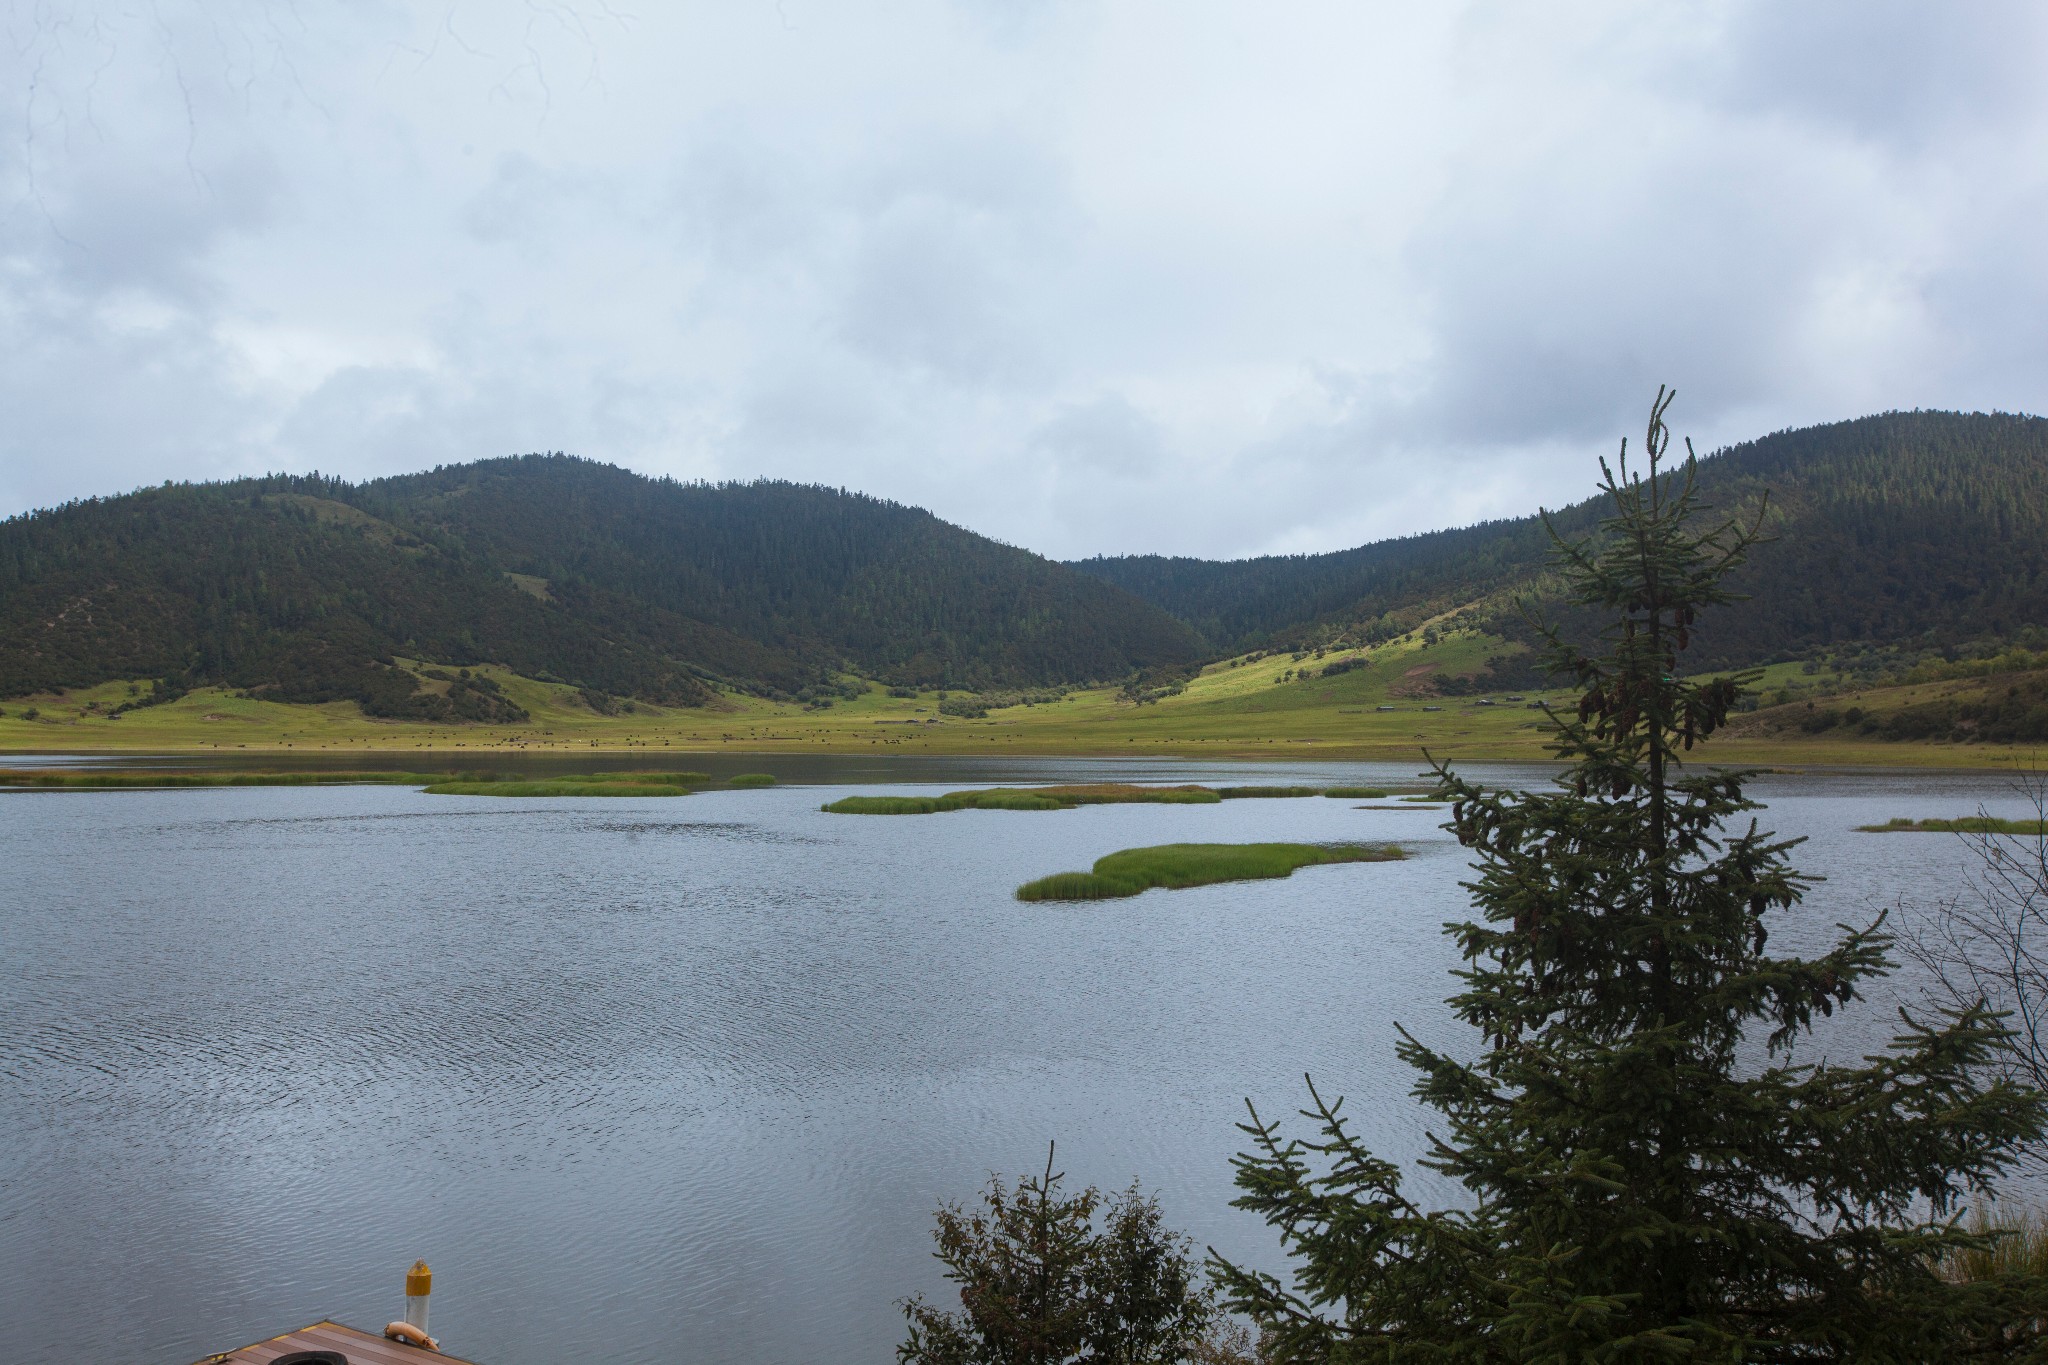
42, 779
1243, 793
587, 784
1967, 824
1024, 798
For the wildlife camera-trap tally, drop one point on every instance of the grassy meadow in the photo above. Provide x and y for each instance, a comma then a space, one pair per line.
1251, 706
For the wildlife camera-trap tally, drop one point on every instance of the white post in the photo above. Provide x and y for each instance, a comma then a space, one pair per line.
419, 1282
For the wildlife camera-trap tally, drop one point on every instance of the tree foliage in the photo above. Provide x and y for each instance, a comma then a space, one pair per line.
555, 567
1929, 527
1988, 943
1650, 1174
1047, 1277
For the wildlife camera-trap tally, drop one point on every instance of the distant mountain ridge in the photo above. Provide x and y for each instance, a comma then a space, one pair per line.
305, 589
1926, 527
1921, 528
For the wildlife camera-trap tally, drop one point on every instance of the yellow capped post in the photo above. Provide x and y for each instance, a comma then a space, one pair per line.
419, 1282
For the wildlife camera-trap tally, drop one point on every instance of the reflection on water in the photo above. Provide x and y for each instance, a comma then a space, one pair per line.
683, 1079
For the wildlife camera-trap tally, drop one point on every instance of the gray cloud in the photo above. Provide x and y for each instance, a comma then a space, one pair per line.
1887, 71
1103, 437
1196, 278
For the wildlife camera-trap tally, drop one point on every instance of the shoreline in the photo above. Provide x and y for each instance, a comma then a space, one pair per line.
1905, 757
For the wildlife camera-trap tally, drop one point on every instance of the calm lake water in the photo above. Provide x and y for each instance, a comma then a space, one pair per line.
661, 1080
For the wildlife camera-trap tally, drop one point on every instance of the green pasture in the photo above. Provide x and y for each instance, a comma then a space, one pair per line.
1272, 706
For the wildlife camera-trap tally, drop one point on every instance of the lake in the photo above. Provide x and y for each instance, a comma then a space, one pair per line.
653, 1080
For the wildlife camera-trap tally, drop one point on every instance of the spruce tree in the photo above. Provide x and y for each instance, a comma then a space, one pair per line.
1650, 1172
1041, 1283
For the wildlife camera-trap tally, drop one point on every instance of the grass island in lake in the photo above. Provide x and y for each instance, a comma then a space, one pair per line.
1068, 797
1967, 824
1175, 866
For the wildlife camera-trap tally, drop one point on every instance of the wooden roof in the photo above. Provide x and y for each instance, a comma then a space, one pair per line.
361, 1348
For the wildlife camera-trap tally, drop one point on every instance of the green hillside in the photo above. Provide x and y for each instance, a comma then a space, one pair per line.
305, 589
1920, 529
1901, 539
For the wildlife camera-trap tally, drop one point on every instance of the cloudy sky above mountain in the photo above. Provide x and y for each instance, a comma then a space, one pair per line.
1192, 278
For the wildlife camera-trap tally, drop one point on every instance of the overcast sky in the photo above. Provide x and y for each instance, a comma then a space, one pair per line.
1213, 279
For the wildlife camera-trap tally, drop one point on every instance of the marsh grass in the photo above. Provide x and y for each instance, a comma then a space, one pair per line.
1968, 824
2018, 1245
1024, 798
474, 783
1241, 793
1174, 866
1357, 793
751, 780
1010, 800
586, 784
557, 787
43, 779
887, 805
1119, 793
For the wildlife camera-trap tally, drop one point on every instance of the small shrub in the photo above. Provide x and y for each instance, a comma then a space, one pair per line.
1047, 1277
161, 691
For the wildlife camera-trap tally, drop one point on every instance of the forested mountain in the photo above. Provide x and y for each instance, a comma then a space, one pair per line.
305, 588
1923, 527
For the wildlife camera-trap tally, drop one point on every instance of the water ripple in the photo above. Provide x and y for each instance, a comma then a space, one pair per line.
672, 1079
